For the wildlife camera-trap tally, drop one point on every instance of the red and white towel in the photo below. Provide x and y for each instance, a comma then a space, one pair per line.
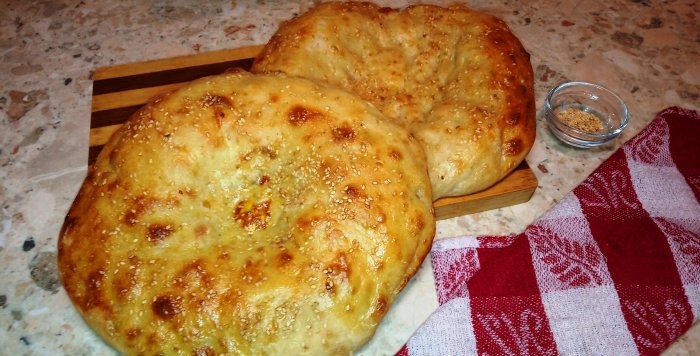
612, 269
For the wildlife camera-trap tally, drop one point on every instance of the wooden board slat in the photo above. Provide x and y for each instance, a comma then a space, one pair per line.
118, 91
132, 97
515, 188
159, 65
170, 70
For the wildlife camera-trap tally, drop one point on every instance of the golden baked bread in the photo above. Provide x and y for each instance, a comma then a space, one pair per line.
457, 78
247, 214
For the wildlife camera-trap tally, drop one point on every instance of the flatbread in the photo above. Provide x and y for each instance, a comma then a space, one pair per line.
458, 79
247, 214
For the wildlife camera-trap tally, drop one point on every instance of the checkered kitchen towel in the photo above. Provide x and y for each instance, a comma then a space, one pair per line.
612, 269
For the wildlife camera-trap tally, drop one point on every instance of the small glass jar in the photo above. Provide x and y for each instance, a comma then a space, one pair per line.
584, 114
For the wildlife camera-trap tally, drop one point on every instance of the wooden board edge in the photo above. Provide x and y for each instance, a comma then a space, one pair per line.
135, 68
131, 97
100, 135
516, 188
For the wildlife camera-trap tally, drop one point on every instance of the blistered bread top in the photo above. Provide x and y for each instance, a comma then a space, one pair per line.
247, 214
459, 79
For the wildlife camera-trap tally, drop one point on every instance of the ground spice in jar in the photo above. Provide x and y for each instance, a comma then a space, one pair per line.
581, 120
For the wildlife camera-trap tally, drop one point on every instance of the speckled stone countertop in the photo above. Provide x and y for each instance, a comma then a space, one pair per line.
646, 51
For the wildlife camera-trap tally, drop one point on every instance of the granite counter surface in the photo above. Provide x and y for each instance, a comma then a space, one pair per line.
647, 51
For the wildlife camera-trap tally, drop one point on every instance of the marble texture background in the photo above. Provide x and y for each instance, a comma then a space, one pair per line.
647, 51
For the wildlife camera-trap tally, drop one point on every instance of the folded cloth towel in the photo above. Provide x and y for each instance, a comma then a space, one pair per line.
612, 269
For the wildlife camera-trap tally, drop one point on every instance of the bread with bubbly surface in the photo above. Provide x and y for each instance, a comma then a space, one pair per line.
247, 214
459, 79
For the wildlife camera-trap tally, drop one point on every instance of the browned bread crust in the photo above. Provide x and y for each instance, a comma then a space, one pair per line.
459, 79
247, 214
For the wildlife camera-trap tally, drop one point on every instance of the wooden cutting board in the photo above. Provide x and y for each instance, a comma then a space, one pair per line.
120, 90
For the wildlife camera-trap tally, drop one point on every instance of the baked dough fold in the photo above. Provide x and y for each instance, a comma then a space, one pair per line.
247, 214
459, 79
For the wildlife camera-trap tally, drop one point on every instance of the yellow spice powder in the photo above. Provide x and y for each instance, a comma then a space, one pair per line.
581, 120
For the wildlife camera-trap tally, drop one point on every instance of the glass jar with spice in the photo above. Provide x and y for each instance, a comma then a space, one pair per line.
585, 114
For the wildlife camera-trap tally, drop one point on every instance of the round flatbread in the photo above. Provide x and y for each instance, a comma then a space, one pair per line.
457, 78
247, 214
